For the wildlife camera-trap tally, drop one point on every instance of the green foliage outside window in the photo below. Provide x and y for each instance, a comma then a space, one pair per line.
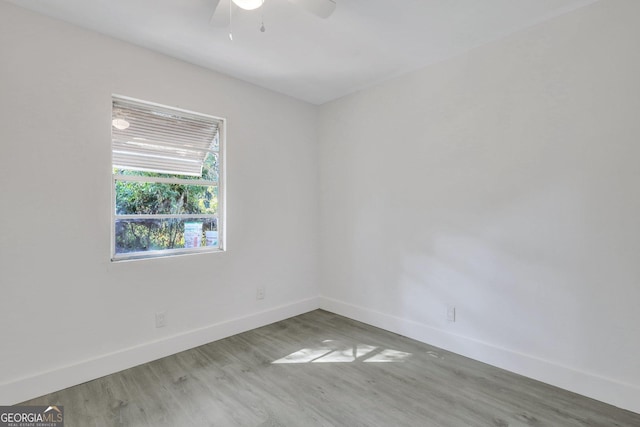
149, 199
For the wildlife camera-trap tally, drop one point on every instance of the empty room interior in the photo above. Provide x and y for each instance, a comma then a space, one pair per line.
318, 212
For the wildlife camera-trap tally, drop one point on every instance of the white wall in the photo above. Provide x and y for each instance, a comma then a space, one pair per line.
67, 314
504, 182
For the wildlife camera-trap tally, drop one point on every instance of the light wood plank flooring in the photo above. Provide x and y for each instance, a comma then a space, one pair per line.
321, 369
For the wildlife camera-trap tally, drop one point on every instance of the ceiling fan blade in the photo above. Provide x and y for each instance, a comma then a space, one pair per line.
220, 16
321, 8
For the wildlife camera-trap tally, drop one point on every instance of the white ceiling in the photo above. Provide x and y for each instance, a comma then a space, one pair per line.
363, 43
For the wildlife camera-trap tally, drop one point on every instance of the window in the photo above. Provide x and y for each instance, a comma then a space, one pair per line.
168, 181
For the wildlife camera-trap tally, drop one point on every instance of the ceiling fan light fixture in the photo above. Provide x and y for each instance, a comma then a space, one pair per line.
120, 124
248, 4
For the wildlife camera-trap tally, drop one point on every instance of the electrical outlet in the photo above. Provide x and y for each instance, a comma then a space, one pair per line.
161, 319
451, 313
260, 292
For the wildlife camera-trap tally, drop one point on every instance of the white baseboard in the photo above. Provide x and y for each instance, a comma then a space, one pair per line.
66, 376
625, 396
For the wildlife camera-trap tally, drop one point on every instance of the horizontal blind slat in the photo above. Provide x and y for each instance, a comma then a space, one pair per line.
161, 139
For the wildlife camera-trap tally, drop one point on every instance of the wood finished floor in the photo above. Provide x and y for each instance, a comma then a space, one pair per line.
331, 371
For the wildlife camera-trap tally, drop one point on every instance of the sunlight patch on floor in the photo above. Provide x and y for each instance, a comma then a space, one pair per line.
334, 351
388, 355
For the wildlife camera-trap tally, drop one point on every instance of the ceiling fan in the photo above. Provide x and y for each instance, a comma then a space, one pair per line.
224, 9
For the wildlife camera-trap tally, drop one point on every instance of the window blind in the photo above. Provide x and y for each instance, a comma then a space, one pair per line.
161, 139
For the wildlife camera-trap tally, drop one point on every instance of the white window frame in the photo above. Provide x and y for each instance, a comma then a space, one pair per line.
221, 184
